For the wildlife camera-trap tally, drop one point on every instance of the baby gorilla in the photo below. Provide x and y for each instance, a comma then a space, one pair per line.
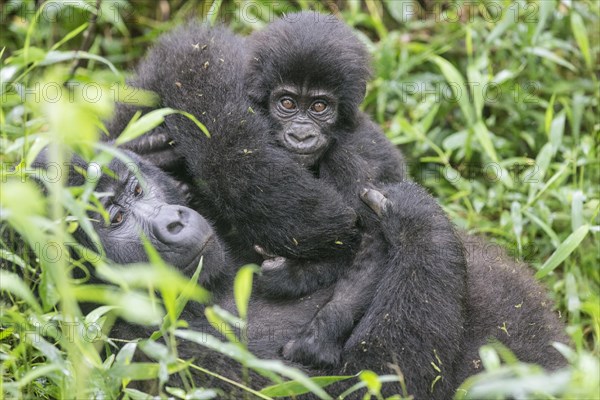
308, 73
140, 199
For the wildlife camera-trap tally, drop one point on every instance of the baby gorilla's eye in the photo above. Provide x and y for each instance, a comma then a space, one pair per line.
117, 218
318, 106
288, 104
138, 191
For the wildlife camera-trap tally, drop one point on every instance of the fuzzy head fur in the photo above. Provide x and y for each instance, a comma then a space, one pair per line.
310, 49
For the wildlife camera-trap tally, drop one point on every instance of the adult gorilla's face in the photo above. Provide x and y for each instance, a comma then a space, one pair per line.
153, 209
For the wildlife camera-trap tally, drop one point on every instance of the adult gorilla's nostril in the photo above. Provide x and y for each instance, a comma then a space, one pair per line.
171, 223
175, 227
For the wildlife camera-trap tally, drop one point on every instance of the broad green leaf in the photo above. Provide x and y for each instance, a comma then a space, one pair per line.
155, 350
132, 306
545, 227
489, 358
38, 372
549, 115
242, 288
213, 11
204, 339
50, 351
135, 394
290, 388
508, 20
362, 384
25, 56
563, 251
13, 258
181, 301
98, 313
572, 294
578, 104
149, 121
289, 372
477, 84
125, 355
457, 84
371, 379
144, 124
485, 139
195, 394
577, 210
221, 326
550, 56
581, 36
135, 371
56, 56
402, 10
14, 284
543, 160
546, 7
557, 129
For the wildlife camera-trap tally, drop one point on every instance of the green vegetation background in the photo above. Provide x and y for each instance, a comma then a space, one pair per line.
494, 104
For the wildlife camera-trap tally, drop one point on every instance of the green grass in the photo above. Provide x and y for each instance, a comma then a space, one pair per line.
494, 104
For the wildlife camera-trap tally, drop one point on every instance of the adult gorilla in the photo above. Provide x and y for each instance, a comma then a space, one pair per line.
500, 293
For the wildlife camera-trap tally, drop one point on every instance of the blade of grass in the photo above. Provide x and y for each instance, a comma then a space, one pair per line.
563, 251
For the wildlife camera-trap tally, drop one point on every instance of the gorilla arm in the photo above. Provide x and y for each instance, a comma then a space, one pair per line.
260, 190
417, 317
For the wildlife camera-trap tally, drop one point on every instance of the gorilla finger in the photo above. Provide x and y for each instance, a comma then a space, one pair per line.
166, 159
150, 142
263, 252
375, 200
288, 349
184, 189
273, 264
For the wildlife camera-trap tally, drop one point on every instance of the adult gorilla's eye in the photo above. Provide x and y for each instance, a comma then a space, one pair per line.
138, 191
288, 103
117, 218
318, 106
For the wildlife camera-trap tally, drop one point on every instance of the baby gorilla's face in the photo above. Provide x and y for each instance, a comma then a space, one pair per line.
306, 116
150, 207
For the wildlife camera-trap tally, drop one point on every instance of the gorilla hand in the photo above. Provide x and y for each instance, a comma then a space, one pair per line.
158, 148
293, 278
321, 342
271, 261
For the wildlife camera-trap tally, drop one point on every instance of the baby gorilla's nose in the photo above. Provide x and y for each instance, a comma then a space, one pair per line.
170, 224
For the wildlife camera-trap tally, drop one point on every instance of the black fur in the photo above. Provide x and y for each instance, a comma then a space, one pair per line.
407, 328
413, 314
242, 178
310, 58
